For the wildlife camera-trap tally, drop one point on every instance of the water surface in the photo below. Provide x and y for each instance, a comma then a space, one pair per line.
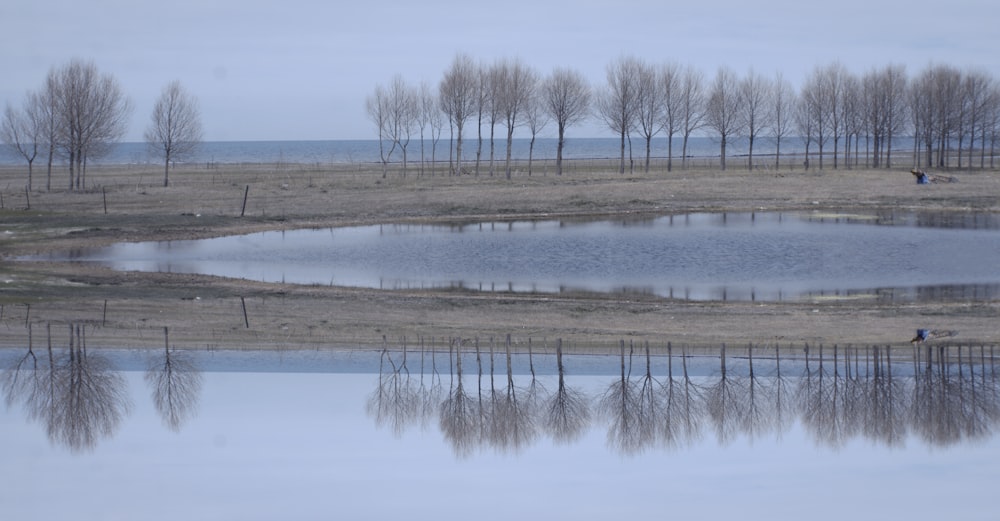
761, 256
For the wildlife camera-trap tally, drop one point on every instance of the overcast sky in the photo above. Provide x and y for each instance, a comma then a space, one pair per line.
301, 69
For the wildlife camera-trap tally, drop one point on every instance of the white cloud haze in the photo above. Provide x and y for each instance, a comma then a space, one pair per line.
301, 69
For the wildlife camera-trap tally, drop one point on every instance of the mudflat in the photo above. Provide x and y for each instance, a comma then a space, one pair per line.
45, 300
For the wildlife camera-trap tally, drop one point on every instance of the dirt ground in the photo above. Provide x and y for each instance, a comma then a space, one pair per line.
40, 300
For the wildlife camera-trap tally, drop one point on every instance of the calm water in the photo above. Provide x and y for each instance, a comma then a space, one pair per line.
158, 434
764, 256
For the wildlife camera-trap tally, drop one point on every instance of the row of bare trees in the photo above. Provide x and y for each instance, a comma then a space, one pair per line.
855, 120
79, 114
507, 94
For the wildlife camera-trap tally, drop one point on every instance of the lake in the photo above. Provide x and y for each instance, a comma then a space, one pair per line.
745, 256
490, 430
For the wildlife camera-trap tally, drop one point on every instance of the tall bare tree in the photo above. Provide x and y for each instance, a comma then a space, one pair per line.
426, 106
814, 113
755, 93
517, 85
23, 130
649, 105
394, 110
692, 106
723, 109
379, 107
671, 95
458, 92
535, 118
885, 104
92, 113
566, 98
783, 101
174, 130
833, 87
617, 102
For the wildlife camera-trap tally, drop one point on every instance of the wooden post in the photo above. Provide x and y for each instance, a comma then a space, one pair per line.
245, 194
104, 192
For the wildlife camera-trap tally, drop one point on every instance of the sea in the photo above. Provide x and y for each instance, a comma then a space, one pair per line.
367, 151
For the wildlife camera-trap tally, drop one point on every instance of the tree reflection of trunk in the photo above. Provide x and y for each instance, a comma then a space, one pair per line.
821, 401
458, 411
758, 414
885, 401
513, 424
429, 396
782, 393
620, 404
176, 385
649, 406
567, 413
948, 409
394, 402
681, 422
726, 403
89, 398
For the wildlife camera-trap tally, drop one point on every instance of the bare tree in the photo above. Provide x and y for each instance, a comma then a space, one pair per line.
484, 106
671, 95
535, 118
458, 93
617, 103
425, 106
435, 118
566, 98
814, 113
378, 107
935, 98
692, 106
723, 109
976, 88
23, 131
649, 105
755, 93
394, 110
92, 115
853, 114
517, 84
174, 131
885, 107
833, 87
783, 101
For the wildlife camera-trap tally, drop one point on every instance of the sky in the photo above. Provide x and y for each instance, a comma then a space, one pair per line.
301, 69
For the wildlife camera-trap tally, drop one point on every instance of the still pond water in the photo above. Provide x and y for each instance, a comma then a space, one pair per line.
762, 256
458, 432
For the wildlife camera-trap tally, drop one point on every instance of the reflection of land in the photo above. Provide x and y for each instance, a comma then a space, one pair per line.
80, 396
941, 395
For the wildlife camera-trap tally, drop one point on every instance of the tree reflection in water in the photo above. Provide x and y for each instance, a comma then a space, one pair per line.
176, 385
838, 394
78, 396
567, 410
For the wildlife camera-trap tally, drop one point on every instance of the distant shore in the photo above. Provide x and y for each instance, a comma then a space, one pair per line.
130, 204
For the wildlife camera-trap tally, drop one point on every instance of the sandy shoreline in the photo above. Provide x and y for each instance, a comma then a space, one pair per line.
123, 309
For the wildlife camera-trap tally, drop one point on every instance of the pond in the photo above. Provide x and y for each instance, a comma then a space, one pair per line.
492, 429
754, 256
